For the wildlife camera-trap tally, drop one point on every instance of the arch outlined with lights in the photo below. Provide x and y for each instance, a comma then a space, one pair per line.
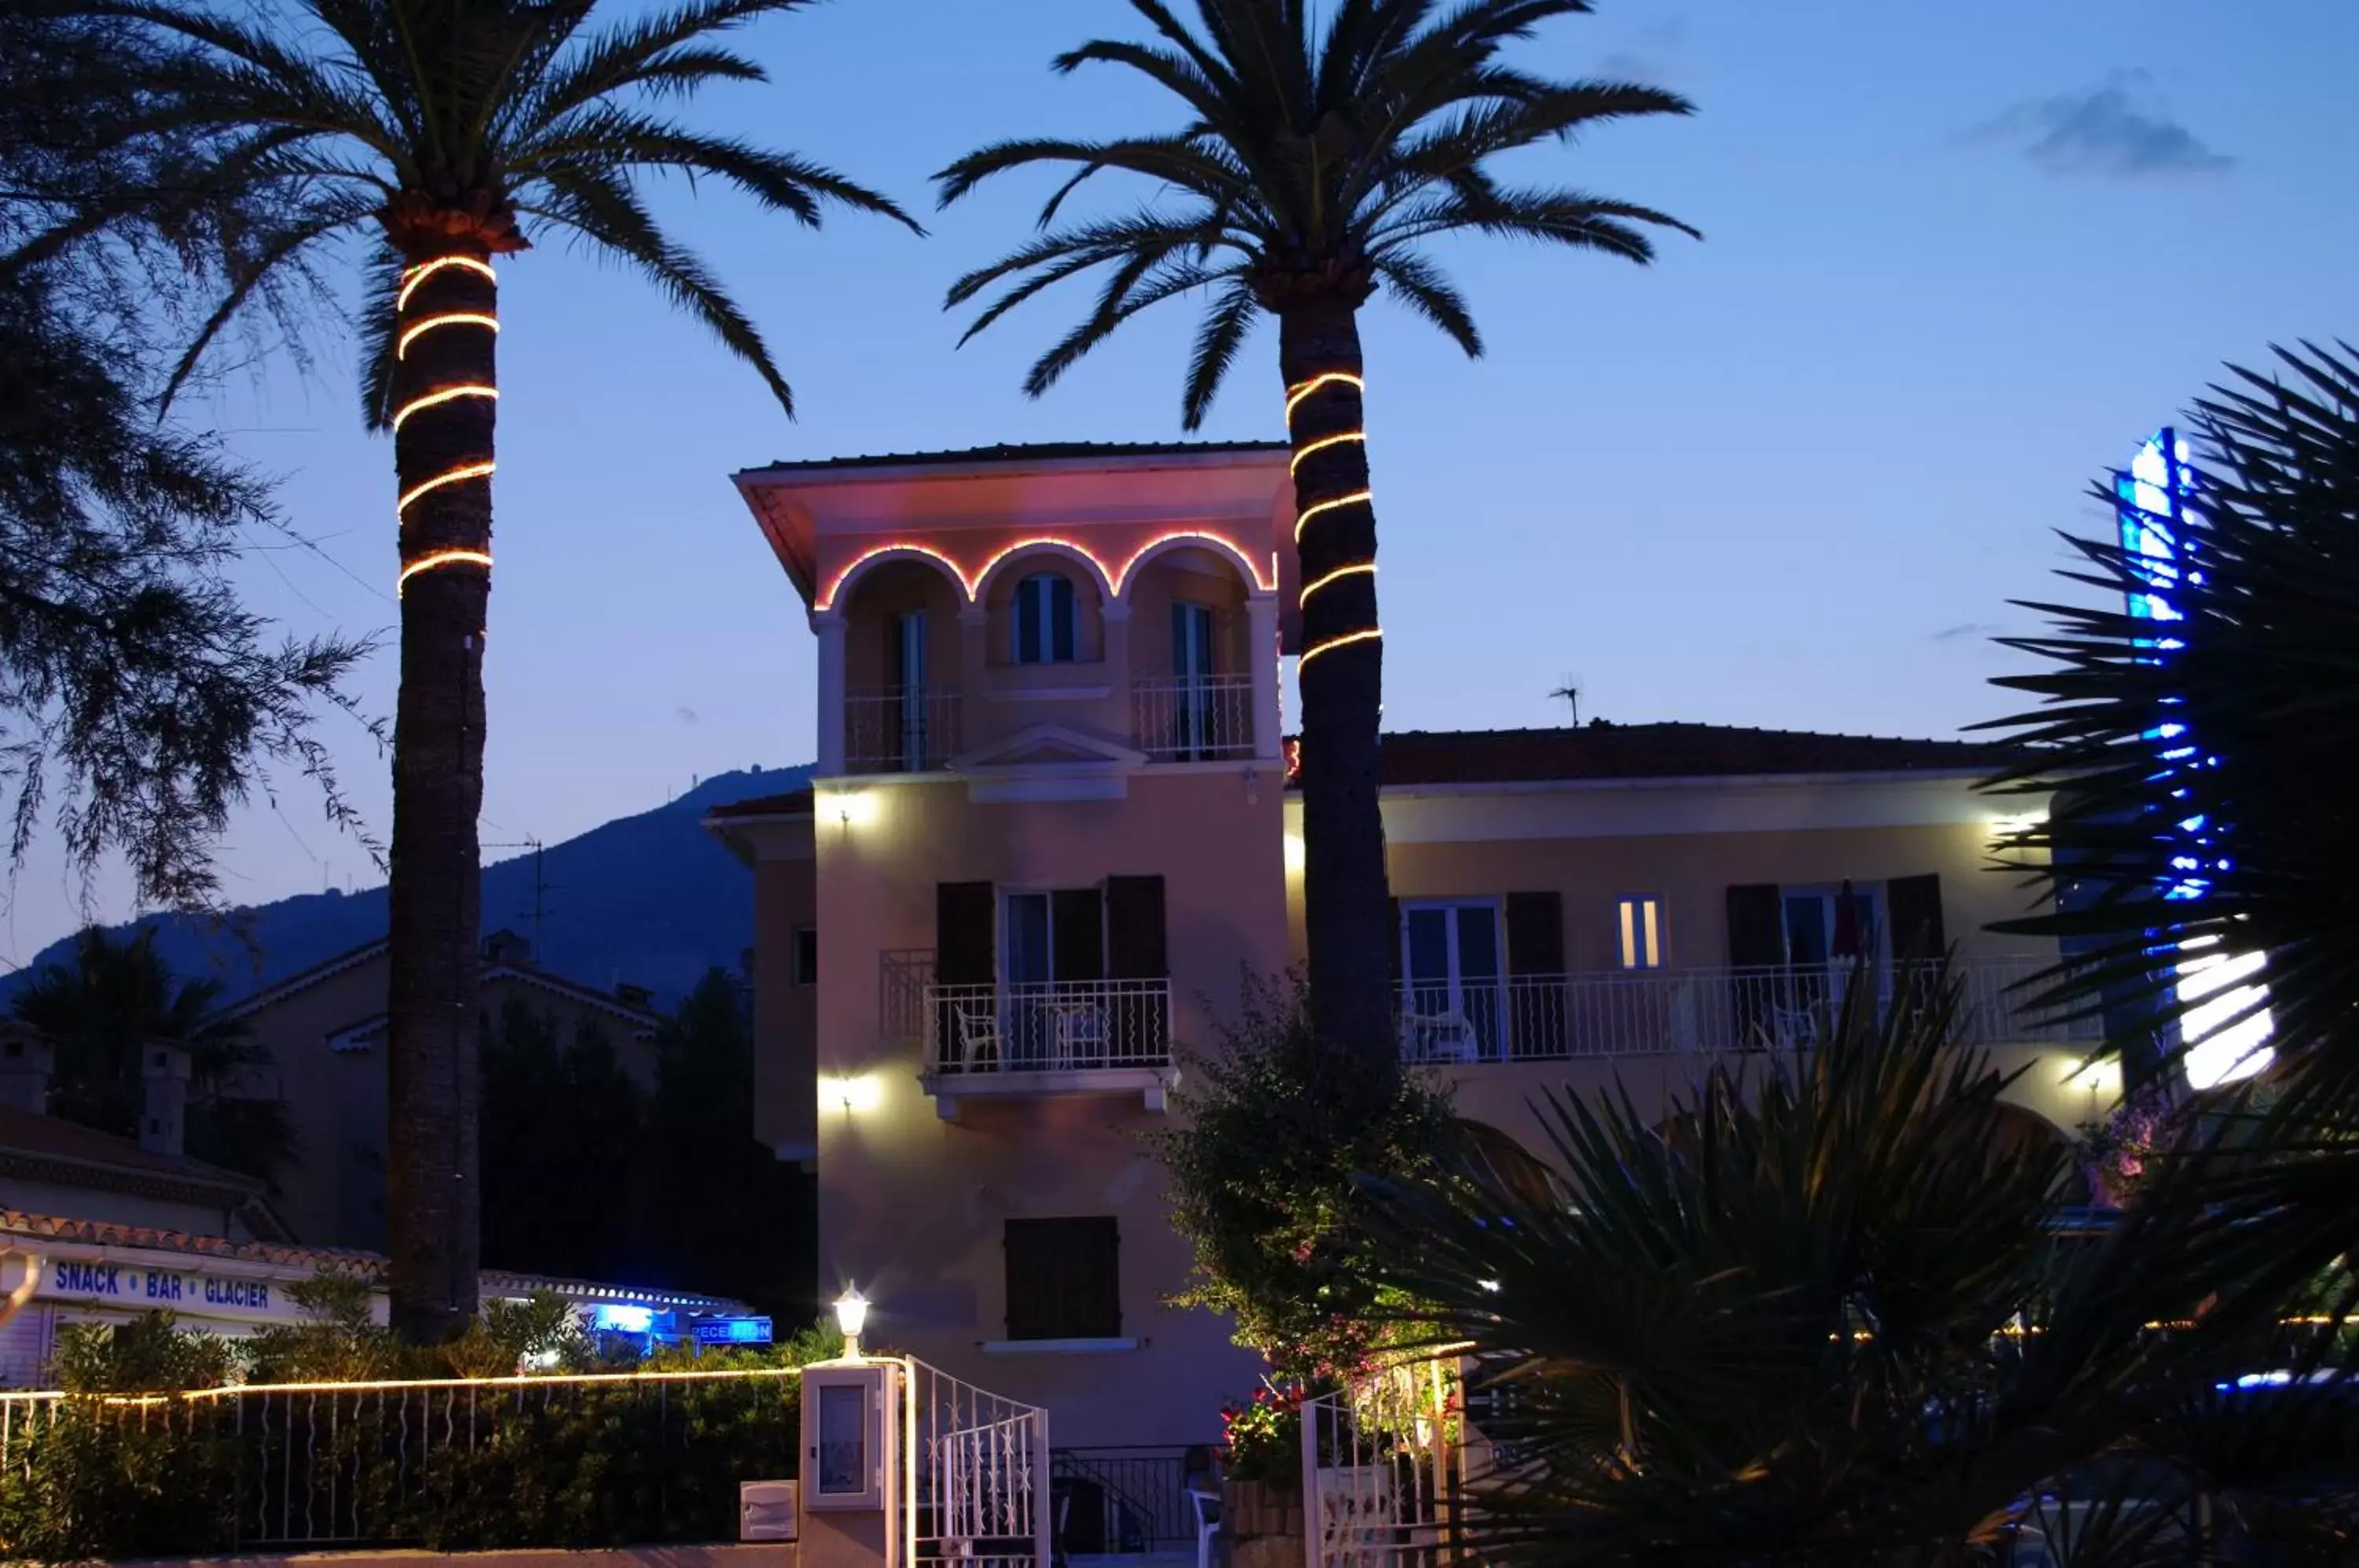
882, 554
978, 587
1127, 578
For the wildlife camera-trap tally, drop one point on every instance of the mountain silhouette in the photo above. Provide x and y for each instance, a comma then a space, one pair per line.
652, 899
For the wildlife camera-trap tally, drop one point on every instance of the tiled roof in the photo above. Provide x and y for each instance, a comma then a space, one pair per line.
1599, 750
48, 1138
531, 975
105, 1233
794, 803
1036, 451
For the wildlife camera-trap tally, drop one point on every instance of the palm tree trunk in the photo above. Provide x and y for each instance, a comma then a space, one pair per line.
443, 452
1346, 901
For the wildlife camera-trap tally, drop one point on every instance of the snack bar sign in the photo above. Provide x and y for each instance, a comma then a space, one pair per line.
137, 1288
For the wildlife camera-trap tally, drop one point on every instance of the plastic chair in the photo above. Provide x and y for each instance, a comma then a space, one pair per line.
978, 1029
1208, 1523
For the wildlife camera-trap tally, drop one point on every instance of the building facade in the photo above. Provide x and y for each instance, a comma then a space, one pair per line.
1050, 834
325, 1030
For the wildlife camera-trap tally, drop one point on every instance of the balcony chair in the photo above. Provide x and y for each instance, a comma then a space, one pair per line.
1442, 1037
979, 1037
1079, 1035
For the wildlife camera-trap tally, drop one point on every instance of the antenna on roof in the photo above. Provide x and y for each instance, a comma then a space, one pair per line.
1570, 693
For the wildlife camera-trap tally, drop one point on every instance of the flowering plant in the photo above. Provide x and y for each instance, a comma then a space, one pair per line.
1264, 1435
2116, 1152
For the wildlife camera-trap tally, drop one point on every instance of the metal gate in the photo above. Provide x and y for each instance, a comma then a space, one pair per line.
975, 1488
1384, 1469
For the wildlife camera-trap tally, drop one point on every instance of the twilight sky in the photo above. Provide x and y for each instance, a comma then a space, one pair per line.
1958, 259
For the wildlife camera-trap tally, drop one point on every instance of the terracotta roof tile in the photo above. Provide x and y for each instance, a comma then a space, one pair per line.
1599, 750
28, 1132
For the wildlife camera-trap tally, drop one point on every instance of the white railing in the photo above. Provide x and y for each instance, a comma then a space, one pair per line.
900, 729
1645, 1012
1194, 718
1385, 1467
978, 1481
1049, 1026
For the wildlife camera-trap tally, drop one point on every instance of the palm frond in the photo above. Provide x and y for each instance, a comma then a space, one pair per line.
1217, 341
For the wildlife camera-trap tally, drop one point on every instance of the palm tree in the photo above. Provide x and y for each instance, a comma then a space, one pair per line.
1313, 165
447, 131
112, 996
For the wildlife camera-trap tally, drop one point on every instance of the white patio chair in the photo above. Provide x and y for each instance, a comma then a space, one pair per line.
979, 1032
1208, 1523
1444, 1037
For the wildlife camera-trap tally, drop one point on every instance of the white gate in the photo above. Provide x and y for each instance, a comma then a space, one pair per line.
976, 1488
1384, 1469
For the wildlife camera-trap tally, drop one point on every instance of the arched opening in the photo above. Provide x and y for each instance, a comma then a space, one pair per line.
900, 665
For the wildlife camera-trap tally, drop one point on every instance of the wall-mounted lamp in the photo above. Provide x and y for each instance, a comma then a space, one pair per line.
852, 807
851, 1316
856, 1093
2099, 1077
1295, 855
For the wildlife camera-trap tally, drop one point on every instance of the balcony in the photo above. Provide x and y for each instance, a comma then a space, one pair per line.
1197, 718
1657, 1011
1054, 1038
899, 729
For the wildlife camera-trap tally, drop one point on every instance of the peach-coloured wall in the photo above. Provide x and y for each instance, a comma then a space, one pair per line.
888, 590
911, 1206
1196, 576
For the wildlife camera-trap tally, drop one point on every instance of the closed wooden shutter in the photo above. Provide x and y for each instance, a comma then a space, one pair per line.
1077, 920
1536, 1018
1139, 1018
1135, 937
1393, 939
1756, 949
1916, 928
963, 933
1064, 1279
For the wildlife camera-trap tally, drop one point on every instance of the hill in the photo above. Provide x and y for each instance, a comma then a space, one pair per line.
649, 899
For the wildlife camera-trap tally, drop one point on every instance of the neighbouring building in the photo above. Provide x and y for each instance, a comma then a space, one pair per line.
97, 1229
324, 1028
1050, 829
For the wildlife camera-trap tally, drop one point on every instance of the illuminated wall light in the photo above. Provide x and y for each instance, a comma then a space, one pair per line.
416, 275
439, 559
447, 318
1321, 444
1297, 393
1368, 567
1354, 498
855, 1092
2100, 1077
1333, 643
435, 400
852, 809
449, 476
1297, 856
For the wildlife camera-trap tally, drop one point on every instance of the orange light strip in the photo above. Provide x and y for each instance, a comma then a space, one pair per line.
1367, 567
1332, 643
1354, 498
827, 601
448, 318
1106, 579
1296, 394
465, 471
416, 275
1269, 585
1323, 442
443, 558
972, 582
448, 394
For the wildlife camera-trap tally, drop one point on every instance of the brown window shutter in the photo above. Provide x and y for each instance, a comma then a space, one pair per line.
1536, 933
1916, 928
1135, 931
1064, 1278
1077, 916
1756, 943
964, 928
1393, 939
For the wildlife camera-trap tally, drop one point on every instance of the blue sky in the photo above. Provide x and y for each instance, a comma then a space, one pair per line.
1957, 261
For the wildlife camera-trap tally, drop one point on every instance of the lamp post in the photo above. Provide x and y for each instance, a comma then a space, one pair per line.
851, 1313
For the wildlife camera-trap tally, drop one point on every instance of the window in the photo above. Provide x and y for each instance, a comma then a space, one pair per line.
1043, 623
1640, 923
1064, 1279
1450, 961
1821, 930
806, 955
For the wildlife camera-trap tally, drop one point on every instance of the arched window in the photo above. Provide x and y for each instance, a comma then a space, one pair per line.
1043, 626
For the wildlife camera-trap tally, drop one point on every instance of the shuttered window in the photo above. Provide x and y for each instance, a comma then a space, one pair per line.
1064, 1279
1044, 620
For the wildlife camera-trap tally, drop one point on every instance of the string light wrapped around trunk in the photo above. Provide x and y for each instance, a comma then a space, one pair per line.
442, 419
1346, 618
